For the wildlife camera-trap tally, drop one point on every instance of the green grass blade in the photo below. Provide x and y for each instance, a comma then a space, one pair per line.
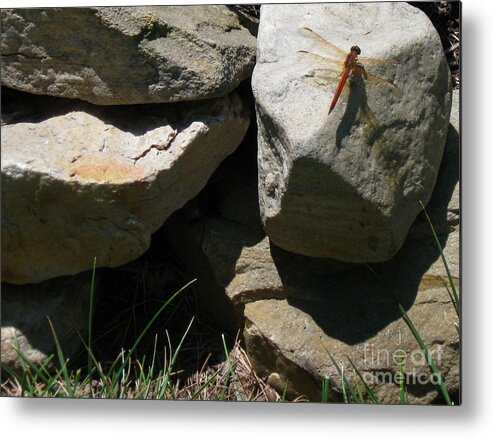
149, 324
456, 298
325, 389
173, 361
360, 394
207, 383
228, 358
232, 376
284, 393
63, 362
151, 370
7, 369
367, 388
420, 341
402, 386
428, 356
346, 386
107, 385
53, 381
89, 326
30, 366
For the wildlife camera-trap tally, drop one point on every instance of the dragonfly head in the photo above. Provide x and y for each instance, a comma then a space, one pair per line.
355, 50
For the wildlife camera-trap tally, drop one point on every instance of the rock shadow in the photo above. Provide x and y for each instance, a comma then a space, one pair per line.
210, 232
444, 211
356, 303
324, 211
353, 302
357, 102
21, 107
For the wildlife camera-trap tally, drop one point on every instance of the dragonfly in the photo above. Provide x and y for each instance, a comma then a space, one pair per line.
350, 63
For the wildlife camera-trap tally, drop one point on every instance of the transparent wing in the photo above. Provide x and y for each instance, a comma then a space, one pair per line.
374, 61
328, 68
373, 78
338, 53
326, 79
322, 42
331, 67
322, 77
312, 57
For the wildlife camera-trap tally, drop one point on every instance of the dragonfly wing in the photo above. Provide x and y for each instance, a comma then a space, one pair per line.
373, 78
374, 61
322, 77
320, 59
322, 42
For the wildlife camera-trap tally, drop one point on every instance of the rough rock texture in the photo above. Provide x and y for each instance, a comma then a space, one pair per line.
126, 55
295, 307
445, 201
348, 185
289, 344
94, 181
25, 313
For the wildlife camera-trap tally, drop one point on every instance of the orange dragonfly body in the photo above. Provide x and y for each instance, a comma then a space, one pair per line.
351, 64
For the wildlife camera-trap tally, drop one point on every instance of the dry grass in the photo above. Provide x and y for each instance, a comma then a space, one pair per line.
181, 354
233, 379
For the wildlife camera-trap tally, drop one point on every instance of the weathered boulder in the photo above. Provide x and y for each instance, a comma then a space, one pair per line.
126, 55
98, 181
348, 185
25, 313
296, 308
444, 204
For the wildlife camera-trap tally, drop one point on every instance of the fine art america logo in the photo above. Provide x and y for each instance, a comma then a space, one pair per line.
412, 368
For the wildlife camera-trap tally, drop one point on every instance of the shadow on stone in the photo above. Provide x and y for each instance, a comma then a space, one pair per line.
210, 233
323, 215
355, 304
349, 302
443, 206
21, 107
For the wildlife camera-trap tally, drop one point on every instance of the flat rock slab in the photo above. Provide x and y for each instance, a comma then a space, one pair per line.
97, 182
290, 346
126, 55
25, 325
348, 185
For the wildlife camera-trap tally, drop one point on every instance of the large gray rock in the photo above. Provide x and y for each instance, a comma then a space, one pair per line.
125, 55
98, 181
296, 308
25, 325
348, 185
